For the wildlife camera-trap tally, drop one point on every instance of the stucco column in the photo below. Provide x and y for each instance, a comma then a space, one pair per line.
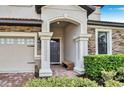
81, 50
45, 54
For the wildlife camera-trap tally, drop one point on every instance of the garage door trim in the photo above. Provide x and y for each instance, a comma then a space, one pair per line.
22, 34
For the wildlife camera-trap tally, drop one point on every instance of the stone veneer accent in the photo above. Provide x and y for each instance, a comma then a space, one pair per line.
91, 42
19, 29
117, 37
5, 28
117, 41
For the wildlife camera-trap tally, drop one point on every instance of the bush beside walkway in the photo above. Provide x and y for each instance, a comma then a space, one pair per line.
61, 82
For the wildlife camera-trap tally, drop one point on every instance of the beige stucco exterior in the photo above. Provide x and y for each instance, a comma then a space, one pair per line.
71, 35
67, 23
67, 34
96, 15
18, 11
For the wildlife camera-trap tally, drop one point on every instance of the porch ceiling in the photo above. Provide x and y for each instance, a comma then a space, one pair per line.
62, 24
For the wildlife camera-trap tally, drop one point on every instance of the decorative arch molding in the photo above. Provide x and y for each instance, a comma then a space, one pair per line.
66, 19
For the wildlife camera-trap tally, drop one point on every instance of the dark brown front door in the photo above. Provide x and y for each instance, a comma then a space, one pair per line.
55, 51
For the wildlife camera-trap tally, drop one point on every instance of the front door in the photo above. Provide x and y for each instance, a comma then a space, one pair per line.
55, 51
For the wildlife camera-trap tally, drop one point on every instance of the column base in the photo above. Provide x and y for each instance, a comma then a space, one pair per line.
79, 70
45, 73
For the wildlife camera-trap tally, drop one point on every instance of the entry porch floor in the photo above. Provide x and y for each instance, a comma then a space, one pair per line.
59, 70
19, 79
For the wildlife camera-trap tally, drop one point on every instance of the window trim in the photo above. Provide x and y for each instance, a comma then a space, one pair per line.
109, 39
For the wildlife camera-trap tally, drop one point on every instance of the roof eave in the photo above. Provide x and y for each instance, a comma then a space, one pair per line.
105, 23
20, 22
89, 8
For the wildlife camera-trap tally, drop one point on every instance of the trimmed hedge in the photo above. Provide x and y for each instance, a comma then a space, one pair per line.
61, 82
94, 64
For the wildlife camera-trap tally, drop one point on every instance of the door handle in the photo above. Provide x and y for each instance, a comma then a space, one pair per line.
30, 62
30, 45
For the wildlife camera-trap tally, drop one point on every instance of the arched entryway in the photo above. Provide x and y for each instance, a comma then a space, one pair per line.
68, 33
62, 43
63, 40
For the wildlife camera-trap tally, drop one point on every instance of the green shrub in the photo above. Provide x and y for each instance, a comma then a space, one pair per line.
94, 64
61, 82
108, 75
120, 74
113, 83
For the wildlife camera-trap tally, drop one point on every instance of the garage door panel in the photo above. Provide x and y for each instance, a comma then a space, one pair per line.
16, 58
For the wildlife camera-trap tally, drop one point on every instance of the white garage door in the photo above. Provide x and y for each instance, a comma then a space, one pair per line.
16, 55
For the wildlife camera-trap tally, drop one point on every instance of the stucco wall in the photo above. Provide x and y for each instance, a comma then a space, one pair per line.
71, 13
96, 15
18, 11
57, 32
69, 45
